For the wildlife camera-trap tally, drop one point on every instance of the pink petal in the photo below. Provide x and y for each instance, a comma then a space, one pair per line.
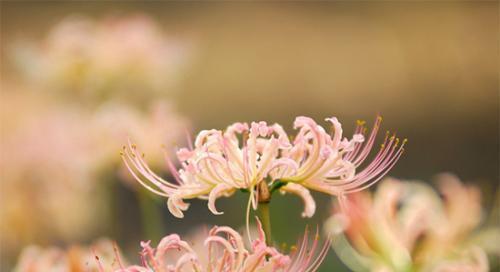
302, 192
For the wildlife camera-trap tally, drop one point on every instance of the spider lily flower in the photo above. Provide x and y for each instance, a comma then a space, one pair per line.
407, 226
89, 58
223, 249
246, 155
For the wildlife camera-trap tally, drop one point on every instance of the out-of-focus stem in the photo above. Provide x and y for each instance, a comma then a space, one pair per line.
150, 215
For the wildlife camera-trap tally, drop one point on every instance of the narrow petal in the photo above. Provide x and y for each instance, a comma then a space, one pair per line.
176, 206
302, 192
216, 192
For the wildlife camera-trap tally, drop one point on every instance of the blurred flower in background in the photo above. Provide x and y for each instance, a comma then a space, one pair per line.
85, 88
407, 226
47, 157
117, 57
57, 159
159, 126
76, 258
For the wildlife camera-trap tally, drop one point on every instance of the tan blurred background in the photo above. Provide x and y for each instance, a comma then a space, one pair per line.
431, 69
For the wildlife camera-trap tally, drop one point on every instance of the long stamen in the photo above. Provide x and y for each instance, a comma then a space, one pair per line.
368, 145
142, 182
171, 166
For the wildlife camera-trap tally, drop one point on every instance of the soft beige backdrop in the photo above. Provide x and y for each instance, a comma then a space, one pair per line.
430, 68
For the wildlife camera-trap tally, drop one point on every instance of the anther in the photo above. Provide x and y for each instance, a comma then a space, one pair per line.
360, 122
283, 246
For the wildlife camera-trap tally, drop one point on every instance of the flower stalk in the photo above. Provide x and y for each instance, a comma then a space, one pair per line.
264, 213
152, 225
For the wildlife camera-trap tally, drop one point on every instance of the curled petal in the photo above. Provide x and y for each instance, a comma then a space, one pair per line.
282, 136
337, 136
186, 259
236, 241
302, 192
290, 165
301, 121
203, 136
184, 154
176, 206
260, 128
236, 128
216, 192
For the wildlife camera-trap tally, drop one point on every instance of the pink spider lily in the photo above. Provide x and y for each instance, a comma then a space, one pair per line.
223, 249
244, 156
407, 226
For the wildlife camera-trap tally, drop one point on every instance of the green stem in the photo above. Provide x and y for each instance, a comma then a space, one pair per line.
265, 218
150, 215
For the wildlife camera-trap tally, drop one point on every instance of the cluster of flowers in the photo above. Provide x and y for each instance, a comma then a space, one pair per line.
85, 86
404, 226
37, 175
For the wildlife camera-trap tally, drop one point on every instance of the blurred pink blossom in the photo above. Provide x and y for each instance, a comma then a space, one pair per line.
128, 57
56, 160
407, 226
75, 259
